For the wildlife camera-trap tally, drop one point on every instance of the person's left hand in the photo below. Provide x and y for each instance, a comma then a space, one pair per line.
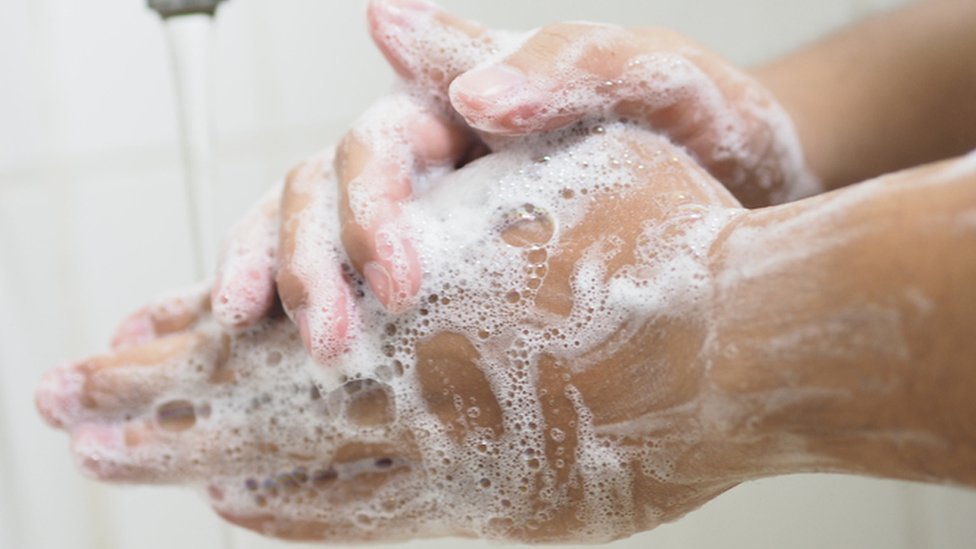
557, 389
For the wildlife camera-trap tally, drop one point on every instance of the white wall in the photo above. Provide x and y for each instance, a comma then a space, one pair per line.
92, 223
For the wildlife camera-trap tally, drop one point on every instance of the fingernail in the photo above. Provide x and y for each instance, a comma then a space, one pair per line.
219, 299
95, 447
384, 241
379, 281
488, 84
100, 436
218, 284
400, 11
331, 326
302, 321
57, 394
137, 328
413, 5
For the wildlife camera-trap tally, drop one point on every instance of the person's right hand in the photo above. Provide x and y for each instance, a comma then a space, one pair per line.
566, 72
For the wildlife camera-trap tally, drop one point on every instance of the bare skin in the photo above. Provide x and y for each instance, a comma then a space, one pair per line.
886, 94
877, 330
734, 387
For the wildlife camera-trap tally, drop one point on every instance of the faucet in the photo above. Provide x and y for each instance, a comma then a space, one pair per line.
170, 8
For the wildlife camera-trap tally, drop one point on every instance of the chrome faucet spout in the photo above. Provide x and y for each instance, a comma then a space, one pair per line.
171, 8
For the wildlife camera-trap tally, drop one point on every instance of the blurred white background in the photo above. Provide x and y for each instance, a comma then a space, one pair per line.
92, 223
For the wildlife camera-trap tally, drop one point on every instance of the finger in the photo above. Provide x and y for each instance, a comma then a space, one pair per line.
144, 451
561, 73
165, 315
567, 71
354, 474
426, 45
268, 524
129, 382
404, 141
570, 71
243, 291
390, 153
310, 282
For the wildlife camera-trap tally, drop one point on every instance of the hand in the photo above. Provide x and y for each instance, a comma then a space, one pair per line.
554, 384
565, 72
725, 119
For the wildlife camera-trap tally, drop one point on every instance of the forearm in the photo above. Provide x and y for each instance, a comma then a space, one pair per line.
889, 93
846, 327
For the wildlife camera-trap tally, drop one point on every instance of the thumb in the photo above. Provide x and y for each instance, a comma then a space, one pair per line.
561, 73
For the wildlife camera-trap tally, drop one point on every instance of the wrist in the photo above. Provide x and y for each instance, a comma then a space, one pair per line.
840, 330
746, 391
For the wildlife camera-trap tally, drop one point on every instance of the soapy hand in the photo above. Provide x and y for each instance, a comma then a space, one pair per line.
411, 138
566, 72
551, 386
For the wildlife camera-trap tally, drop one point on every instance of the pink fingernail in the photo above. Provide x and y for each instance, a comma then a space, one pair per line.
95, 448
330, 330
384, 241
302, 321
399, 12
97, 437
57, 395
379, 281
479, 88
414, 5
217, 286
137, 328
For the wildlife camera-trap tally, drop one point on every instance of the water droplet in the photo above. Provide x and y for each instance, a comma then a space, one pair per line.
528, 226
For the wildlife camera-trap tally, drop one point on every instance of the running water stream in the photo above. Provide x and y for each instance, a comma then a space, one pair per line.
189, 40
190, 43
